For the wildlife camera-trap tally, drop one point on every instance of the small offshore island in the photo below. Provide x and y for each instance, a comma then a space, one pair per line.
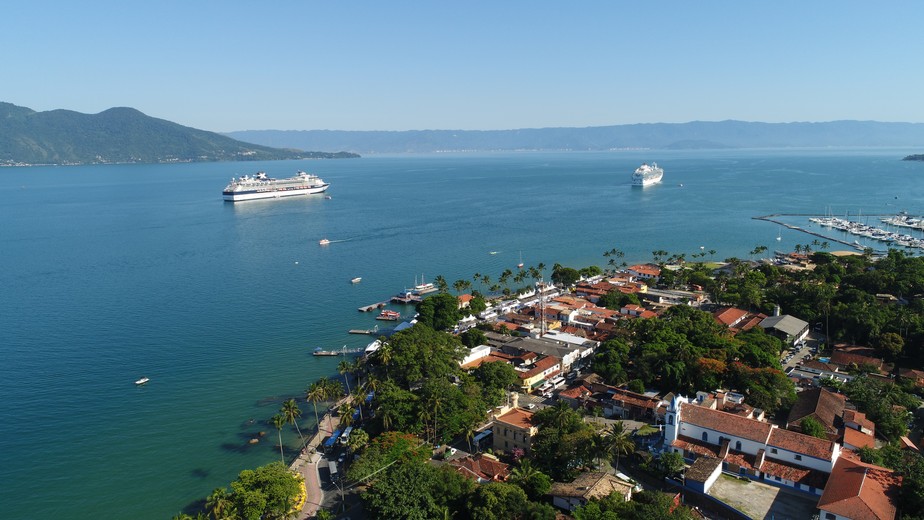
915, 157
625, 392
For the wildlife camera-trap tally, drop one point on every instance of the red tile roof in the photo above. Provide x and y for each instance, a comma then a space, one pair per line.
846, 359
819, 403
801, 443
793, 473
481, 466
540, 366
853, 416
752, 429
861, 491
695, 446
858, 439
517, 417
730, 316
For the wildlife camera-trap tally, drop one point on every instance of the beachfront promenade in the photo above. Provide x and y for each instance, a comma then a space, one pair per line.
306, 464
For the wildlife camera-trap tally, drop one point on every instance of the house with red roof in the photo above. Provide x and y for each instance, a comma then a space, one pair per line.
860, 491
749, 447
644, 271
513, 428
482, 468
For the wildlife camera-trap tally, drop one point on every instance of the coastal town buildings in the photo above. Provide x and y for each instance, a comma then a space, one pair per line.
513, 428
586, 487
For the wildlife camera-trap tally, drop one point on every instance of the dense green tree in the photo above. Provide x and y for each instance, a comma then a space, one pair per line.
811, 426
565, 275
266, 492
646, 505
420, 352
384, 451
439, 312
220, 505
533, 481
495, 378
610, 360
617, 299
564, 442
473, 338
402, 492
502, 501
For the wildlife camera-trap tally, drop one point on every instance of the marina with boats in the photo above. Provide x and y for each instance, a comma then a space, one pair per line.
900, 237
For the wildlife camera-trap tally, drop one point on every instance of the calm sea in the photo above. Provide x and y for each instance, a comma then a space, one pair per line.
110, 273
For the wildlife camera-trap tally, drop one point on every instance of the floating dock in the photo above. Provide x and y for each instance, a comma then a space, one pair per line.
365, 331
341, 352
374, 306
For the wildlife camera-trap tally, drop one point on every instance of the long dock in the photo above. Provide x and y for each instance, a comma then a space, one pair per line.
772, 218
374, 306
365, 331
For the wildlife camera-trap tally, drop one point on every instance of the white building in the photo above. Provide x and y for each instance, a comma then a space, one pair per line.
749, 447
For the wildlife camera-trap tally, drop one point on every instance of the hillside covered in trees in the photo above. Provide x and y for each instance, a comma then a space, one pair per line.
120, 135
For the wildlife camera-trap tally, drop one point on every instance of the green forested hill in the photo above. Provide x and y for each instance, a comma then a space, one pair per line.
119, 135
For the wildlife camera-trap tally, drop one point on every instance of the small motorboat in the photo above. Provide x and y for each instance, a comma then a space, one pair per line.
357, 279
323, 241
142, 381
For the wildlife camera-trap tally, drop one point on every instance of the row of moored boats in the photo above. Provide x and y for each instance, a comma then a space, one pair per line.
864, 230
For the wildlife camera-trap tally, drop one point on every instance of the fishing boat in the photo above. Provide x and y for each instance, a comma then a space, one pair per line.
357, 279
142, 381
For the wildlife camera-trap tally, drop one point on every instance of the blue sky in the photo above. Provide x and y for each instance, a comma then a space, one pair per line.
473, 65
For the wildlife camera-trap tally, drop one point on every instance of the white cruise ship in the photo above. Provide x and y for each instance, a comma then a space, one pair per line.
647, 174
262, 187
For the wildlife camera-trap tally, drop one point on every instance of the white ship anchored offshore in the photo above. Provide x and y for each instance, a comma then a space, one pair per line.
647, 174
262, 187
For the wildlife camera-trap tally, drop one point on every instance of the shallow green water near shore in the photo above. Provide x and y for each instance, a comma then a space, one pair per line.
110, 273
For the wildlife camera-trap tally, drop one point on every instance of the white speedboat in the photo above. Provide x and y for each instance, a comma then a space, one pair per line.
142, 381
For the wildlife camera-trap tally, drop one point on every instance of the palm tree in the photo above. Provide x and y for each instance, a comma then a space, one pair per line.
292, 413
618, 441
345, 367
384, 354
219, 504
425, 417
333, 391
437, 403
314, 394
279, 421
441, 283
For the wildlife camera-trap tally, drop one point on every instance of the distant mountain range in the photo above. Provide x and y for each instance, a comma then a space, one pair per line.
125, 135
693, 135
120, 135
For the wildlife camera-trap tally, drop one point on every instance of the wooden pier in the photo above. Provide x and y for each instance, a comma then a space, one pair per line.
374, 306
365, 331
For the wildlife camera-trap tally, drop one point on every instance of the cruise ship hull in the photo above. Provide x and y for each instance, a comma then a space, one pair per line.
238, 196
645, 182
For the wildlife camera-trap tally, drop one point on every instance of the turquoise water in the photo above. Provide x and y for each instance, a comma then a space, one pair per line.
110, 273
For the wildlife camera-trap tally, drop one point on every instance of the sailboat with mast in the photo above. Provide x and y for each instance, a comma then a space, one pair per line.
520, 265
